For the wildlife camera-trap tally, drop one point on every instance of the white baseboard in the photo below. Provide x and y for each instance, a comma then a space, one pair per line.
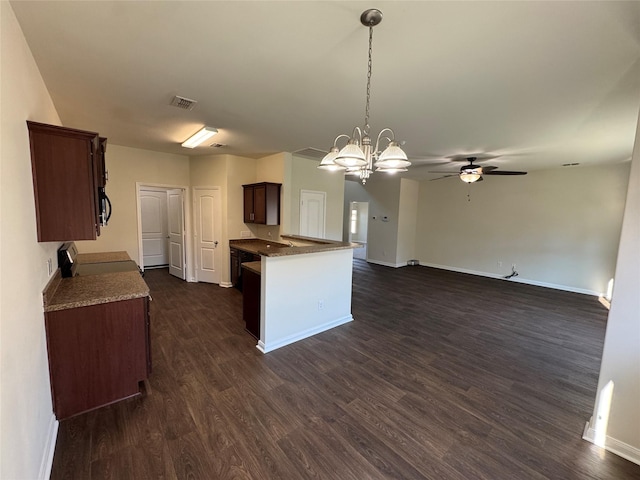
226, 284
536, 283
271, 346
386, 264
613, 445
47, 459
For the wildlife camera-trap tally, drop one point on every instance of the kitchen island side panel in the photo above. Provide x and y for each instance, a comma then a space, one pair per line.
303, 295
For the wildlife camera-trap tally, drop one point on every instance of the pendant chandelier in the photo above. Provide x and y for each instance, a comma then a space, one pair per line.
358, 157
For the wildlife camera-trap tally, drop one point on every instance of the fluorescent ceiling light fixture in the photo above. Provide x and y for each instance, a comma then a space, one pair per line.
199, 137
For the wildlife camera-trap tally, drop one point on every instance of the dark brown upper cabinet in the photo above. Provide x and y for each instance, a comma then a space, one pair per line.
67, 167
262, 203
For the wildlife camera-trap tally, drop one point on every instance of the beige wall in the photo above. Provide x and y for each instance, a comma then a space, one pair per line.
127, 166
26, 415
407, 217
560, 227
306, 176
383, 192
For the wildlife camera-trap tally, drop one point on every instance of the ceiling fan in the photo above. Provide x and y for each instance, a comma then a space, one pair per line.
473, 172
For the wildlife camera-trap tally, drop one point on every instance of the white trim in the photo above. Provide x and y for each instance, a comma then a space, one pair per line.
264, 348
226, 284
387, 264
514, 279
188, 237
613, 445
49, 449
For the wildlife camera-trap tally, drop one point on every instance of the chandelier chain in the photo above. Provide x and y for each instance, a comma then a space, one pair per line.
366, 115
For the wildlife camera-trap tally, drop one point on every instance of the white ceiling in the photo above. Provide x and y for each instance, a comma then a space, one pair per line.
537, 84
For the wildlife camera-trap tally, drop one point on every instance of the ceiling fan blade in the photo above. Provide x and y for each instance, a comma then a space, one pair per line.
446, 176
503, 172
488, 168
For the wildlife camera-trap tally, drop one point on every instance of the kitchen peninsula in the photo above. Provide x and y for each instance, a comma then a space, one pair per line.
305, 287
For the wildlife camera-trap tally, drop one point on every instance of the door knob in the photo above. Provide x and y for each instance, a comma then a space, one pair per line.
215, 244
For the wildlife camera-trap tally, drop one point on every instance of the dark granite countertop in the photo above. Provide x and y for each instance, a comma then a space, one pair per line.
255, 267
82, 291
299, 245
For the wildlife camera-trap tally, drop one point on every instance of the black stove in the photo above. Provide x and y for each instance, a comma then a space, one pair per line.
69, 267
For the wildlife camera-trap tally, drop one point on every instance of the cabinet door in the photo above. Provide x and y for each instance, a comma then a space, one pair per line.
235, 267
64, 182
272, 203
147, 333
260, 204
248, 204
97, 354
251, 302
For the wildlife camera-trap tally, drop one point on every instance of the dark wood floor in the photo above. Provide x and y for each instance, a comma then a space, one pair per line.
441, 376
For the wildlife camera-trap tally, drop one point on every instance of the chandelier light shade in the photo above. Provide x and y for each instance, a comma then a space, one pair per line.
328, 162
358, 157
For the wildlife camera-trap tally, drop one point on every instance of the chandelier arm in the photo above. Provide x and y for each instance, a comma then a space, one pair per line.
335, 142
353, 135
392, 139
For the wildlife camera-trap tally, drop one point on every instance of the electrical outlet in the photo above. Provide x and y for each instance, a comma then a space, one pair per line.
320, 304
50, 266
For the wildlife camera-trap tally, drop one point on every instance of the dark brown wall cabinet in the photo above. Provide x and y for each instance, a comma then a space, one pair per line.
97, 354
67, 167
262, 203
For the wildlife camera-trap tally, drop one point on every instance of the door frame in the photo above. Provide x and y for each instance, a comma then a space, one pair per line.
188, 240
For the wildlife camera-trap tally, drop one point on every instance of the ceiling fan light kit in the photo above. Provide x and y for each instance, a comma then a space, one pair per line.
358, 157
472, 172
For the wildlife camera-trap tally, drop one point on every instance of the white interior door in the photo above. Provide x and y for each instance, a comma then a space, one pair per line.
175, 207
207, 234
155, 235
312, 213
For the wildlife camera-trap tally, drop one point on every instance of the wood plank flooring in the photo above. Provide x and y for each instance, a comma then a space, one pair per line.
441, 376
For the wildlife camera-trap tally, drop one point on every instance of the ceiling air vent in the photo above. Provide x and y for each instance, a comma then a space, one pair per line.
184, 103
310, 152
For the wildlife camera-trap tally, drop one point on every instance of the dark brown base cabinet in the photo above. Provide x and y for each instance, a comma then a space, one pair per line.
238, 257
98, 354
251, 302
